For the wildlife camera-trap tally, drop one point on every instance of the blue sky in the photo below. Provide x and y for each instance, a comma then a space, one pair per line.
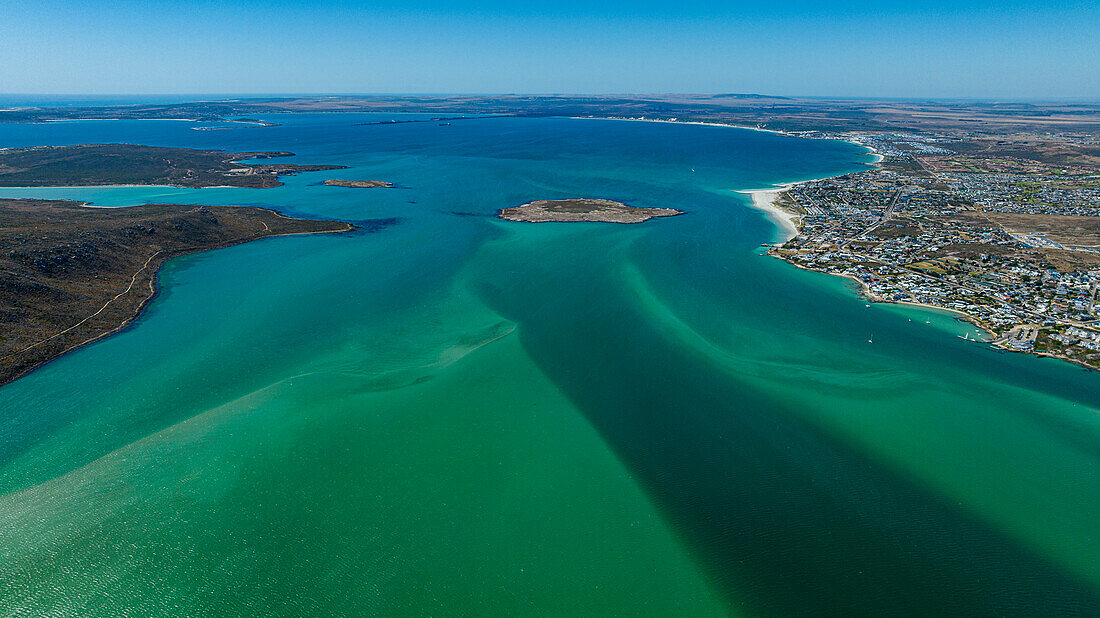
902, 49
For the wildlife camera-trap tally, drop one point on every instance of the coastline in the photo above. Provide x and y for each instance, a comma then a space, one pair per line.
764, 200
115, 187
581, 210
134, 186
870, 150
992, 339
153, 266
691, 122
100, 119
791, 225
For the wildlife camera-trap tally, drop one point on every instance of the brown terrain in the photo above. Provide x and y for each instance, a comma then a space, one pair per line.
360, 184
70, 274
1080, 232
576, 210
1064, 230
129, 164
776, 112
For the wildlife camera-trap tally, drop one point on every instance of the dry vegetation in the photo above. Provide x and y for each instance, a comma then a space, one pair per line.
1064, 230
360, 184
129, 164
577, 210
797, 114
71, 274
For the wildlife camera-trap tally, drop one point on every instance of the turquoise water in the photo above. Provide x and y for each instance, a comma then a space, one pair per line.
446, 413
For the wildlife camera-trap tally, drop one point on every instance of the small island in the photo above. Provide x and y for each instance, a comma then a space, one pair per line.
575, 210
360, 184
70, 274
93, 165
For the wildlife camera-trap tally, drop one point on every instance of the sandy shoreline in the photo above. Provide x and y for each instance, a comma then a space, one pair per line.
696, 123
764, 199
871, 151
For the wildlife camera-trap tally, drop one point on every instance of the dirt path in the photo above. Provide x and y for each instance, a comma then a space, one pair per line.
133, 280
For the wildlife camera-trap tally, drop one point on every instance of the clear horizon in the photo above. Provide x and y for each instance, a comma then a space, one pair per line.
956, 50
188, 97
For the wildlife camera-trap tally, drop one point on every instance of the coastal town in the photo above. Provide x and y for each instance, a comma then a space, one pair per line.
1011, 243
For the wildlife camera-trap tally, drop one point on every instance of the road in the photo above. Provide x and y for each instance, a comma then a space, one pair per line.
886, 214
1038, 317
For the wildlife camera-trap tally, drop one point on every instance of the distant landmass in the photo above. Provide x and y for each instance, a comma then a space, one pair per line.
129, 164
749, 110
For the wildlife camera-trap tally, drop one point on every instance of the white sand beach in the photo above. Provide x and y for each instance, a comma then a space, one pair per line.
764, 199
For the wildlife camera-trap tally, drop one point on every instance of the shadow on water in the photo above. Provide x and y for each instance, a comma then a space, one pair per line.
783, 514
788, 519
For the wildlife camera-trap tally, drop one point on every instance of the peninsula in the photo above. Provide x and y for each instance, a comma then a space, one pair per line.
71, 274
1003, 232
360, 184
87, 165
575, 210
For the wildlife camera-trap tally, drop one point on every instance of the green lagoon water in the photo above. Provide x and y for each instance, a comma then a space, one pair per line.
445, 413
